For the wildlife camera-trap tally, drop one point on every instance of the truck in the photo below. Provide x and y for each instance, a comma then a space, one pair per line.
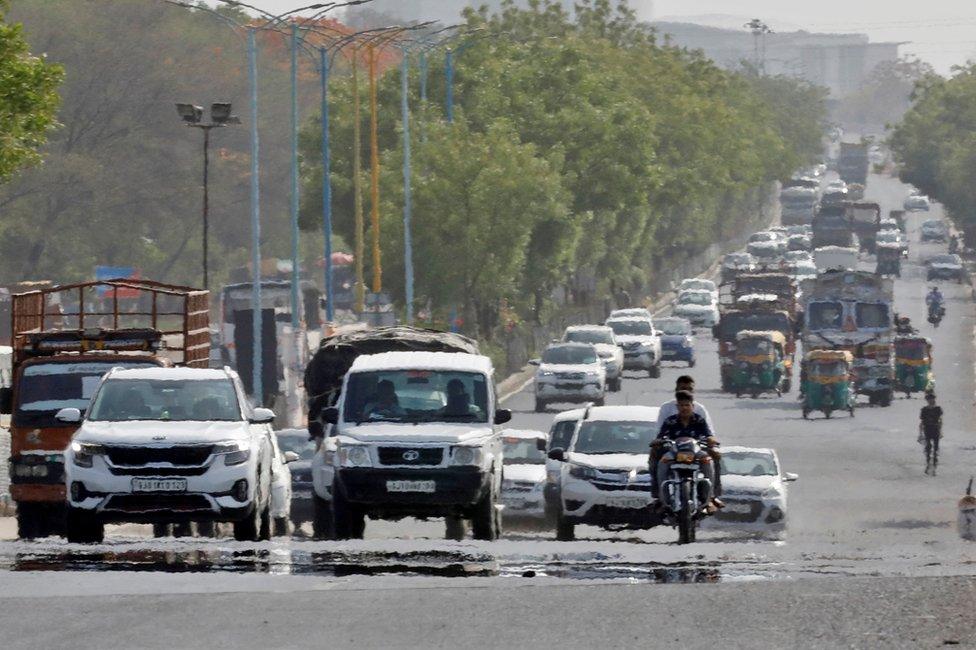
853, 162
64, 339
865, 219
852, 310
798, 200
832, 226
835, 257
406, 425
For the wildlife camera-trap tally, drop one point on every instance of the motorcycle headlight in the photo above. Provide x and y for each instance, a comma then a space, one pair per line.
582, 471
466, 455
354, 456
85, 452
235, 452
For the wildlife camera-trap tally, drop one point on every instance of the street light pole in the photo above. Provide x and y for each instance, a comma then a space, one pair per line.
206, 205
327, 186
257, 341
295, 255
407, 194
374, 173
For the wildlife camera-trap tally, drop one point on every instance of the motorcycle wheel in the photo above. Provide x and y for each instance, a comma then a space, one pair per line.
686, 521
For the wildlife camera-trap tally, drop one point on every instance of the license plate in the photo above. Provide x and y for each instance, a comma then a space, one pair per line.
411, 486
738, 508
159, 485
628, 502
514, 502
302, 494
569, 386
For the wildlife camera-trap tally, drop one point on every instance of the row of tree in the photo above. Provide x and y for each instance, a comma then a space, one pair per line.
935, 144
579, 146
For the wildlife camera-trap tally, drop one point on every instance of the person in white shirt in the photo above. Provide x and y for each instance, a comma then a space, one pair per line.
684, 382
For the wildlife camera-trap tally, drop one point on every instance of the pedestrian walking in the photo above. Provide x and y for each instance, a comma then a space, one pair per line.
930, 432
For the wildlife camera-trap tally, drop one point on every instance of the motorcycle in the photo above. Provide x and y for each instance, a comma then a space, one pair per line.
936, 313
685, 493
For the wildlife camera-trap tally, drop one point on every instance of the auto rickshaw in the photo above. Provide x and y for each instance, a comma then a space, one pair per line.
913, 365
761, 364
827, 384
889, 260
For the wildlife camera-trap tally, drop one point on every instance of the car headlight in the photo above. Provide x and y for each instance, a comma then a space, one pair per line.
771, 493
354, 456
235, 452
687, 342
85, 452
582, 471
466, 455
546, 373
592, 373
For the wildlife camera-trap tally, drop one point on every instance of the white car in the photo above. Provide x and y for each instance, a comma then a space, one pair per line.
560, 435
698, 283
170, 445
735, 263
917, 202
569, 372
766, 239
604, 480
798, 256
754, 491
698, 307
602, 338
837, 184
524, 474
639, 342
934, 230
631, 312
894, 238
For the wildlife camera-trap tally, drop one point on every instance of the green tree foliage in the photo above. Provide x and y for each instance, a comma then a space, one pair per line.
29, 99
935, 143
884, 97
657, 151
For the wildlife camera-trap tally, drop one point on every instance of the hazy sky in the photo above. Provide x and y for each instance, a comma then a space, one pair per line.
942, 32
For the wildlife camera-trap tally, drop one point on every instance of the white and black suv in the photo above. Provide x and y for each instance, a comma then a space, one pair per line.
602, 338
569, 372
169, 445
640, 343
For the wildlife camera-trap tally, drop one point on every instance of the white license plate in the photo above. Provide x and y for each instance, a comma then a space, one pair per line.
411, 486
738, 508
628, 502
159, 485
302, 494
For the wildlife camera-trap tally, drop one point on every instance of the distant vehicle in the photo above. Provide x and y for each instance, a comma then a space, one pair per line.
917, 203
631, 312
934, 230
833, 197
640, 342
296, 441
698, 307
754, 491
853, 163
890, 224
698, 283
735, 263
945, 267
798, 243
677, 340
798, 204
893, 238
560, 435
802, 270
568, 373
836, 184
524, 481
604, 478
798, 229
170, 445
835, 257
798, 256
602, 338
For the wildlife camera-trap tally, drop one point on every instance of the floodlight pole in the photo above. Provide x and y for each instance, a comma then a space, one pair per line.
256, 321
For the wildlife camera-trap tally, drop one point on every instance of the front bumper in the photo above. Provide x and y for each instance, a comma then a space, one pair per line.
751, 513
521, 503
455, 489
677, 353
639, 359
585, 503
699, 319
568, 391
944, 274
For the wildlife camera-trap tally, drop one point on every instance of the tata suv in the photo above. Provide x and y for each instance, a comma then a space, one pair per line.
569, 372
602, 338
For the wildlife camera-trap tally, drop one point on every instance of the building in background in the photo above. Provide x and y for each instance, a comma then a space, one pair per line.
449, 11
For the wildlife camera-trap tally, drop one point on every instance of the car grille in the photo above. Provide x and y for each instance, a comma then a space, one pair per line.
410, 455
519, 486
301, 476
154, 502
184, 456
617, 487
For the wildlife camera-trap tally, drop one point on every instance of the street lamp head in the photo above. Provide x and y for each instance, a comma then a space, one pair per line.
190, 113
220, 113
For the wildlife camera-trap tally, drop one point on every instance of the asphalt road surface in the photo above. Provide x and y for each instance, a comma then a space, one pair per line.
872, 557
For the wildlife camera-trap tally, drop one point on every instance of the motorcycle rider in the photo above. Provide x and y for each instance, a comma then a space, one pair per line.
684, 424
687, 383
935, 301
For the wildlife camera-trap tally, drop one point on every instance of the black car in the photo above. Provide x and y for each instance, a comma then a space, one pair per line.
297, 440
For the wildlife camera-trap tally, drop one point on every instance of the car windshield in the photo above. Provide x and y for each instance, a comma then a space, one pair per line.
569, 355
698, 284
631, 327
828, 369
589, 336
887, 237
754, 347
824, 315
916, 350
933, 225
739, 259
674, 326
695, 298
748, 463
46, 388
298, 443
522, 451
944, 259
177, 400
761, 237
416, 395
872, 315
612, 437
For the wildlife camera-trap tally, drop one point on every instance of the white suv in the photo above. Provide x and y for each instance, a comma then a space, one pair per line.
601, 337
640, 343
604, 480
569, 372
169, 445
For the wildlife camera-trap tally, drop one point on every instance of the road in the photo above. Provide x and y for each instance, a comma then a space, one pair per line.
871, 559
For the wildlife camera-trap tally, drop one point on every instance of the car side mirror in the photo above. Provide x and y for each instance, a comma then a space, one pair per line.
330, 415
502, 416
790, 476
290, 457
534, 362
540, 444
262, 416
557, 454
6, 400
68, 416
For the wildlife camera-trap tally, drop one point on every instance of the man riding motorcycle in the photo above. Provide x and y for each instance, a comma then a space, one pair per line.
684, 424
935, 301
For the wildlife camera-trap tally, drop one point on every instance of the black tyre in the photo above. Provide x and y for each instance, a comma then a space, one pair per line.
485, 521
82, 528
282, 527
540, 406
686, 517
162, 530
323, 525
183, 529
655, 371
886, 397
248, 529
455, 528
806, 413
350, 523
206, 528
691, 363
29, 524
600, 402
565, 530
617, 385
264, 533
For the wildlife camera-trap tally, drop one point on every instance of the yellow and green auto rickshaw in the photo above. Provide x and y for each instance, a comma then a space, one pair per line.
913, 365
827, 384
761, 364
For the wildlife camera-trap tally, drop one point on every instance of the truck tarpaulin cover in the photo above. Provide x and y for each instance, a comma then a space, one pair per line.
323, 376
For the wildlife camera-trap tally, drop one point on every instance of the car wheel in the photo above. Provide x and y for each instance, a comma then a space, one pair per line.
655, 371
540, 406
162, 530
455, 527
485, 519
281, 527
28, 521
206, 528
691, 362
83, 528
323, 525
350, 523
600, 402
183, 529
